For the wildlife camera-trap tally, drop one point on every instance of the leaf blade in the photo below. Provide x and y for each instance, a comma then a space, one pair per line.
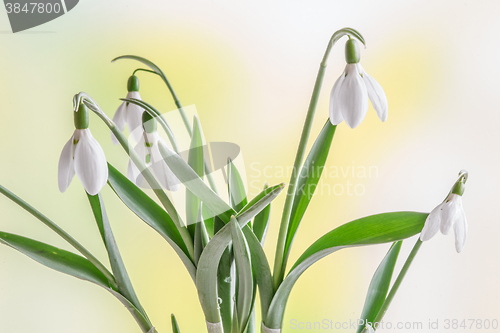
117, 266
379, 285
151, 213
374, 229
60, 260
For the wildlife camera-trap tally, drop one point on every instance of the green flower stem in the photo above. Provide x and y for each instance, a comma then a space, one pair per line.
397, 283
162, 196
279, 265
45, 220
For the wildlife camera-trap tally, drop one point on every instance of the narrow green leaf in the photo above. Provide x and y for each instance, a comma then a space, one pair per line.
251, 328
374, 229
117, 266
151, 213
261, 222
220, 208
175, 326
379, 286
55, 258
209, 218
200, 237
206, 277
58, 230
310, 175
261, 270
195, 184
235, 328
226, 279
237, 193
207, 273
244, 295
261, 201
196, 162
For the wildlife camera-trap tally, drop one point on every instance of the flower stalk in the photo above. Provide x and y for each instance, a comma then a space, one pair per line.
279, 262
165, 201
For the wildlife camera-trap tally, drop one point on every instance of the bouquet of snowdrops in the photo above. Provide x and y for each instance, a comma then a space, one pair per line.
218, 240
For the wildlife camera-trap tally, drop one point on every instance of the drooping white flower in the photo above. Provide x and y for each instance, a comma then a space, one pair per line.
130, 114
83, 155
148, 151
447, 215
350, 93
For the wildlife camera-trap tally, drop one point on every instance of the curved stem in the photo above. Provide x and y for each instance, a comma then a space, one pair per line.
54, 227
279, 262
144, 70
279, 269
397, 283
157, 189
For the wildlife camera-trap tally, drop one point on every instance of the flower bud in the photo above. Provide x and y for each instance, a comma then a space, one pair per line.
148, 122
352, 51
133, 83
81, 117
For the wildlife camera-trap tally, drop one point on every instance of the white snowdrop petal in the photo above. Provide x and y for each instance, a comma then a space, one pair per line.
120, 120
432, 223
460, 229
90, 163
335, 110
353, 97
66, 169
134, 117
376, 94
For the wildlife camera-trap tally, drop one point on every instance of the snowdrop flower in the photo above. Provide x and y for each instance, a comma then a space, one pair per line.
350, 93
148, 151
130, 114
449, 214
83, 155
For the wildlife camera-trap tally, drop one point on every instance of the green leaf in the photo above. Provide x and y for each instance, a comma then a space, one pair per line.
58, 230
261, 270
379, 286
226, 279
151, 213
220, 208
206, 277
261, 222
196, 162
261, 201
310, 175
237, 193
175, 326
201, 238
117, 266
55, 258
195, 184
209, 218
207, 273
374, 229
244, 296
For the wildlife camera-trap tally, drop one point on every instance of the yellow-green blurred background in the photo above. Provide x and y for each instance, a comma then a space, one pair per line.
249, 68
